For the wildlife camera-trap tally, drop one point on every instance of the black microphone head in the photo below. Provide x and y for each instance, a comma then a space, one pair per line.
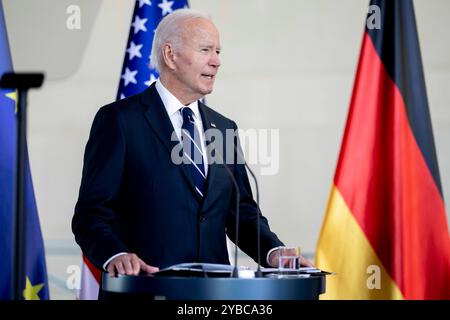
13, 80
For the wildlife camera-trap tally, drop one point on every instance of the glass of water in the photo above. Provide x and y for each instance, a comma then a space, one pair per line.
289, 258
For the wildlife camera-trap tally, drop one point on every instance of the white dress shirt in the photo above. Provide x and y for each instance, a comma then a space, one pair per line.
173, 107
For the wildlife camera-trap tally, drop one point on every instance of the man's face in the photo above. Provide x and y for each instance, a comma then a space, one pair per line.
197, 60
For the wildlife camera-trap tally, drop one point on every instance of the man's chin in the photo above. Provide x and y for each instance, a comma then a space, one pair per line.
207, 91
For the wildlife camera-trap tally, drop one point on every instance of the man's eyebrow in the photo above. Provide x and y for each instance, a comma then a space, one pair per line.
209, 46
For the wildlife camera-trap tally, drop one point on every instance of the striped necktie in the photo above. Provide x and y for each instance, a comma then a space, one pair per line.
192, 150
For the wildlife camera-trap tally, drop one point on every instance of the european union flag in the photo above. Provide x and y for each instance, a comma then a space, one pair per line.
36, 285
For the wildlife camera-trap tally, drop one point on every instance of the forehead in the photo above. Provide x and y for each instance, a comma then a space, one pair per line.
200, 29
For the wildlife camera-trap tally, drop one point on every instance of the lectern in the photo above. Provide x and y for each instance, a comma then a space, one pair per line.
214, 288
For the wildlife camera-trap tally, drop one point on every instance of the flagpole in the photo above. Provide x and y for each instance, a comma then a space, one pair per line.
22, 82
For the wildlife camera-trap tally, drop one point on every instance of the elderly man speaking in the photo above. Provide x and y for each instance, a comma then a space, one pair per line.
139, 210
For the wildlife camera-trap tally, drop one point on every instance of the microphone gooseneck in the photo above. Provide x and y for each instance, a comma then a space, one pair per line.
235, 273
258, 273
239, 155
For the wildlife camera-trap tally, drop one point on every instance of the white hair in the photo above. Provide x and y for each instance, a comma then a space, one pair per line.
168, 31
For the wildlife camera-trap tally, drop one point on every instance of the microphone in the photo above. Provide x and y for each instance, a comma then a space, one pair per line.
258, 273
235, 273
239, 154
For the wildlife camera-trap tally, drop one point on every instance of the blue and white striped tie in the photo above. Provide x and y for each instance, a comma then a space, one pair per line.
192, 149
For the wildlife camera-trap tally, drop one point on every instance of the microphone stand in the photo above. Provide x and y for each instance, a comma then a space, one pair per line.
258, 273
22, 82
235, 273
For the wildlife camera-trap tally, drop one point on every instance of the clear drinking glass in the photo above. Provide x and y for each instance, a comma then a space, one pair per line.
289, 258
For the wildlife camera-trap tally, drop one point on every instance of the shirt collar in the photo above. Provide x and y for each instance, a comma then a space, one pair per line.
171, 103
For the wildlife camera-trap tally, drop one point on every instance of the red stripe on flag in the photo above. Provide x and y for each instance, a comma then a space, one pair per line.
97, 273
388, 187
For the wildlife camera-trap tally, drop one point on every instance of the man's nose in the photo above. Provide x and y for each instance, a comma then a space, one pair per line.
215, 60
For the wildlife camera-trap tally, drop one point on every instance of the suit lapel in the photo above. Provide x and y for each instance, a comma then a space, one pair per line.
207, 117
159, 121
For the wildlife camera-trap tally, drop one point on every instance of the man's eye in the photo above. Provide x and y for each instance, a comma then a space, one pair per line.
205, 50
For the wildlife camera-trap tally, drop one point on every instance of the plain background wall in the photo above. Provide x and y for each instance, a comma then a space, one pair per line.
286, 65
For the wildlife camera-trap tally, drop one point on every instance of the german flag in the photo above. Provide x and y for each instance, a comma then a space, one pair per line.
385, 231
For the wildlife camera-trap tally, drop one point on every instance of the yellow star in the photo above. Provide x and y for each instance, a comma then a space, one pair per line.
31, 292
13, 96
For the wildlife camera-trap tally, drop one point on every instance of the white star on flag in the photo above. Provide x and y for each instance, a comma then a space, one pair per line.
142, 2
134, 50
129, 76
139, 24
166, 7
151, 80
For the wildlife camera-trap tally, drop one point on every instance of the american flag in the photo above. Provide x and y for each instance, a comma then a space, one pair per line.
136, 74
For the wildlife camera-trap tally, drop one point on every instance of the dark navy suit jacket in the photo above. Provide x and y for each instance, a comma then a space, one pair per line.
133, 198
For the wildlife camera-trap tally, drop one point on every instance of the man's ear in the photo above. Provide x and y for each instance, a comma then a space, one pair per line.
169, 56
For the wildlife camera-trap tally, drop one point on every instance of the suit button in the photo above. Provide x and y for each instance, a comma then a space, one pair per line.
202, 218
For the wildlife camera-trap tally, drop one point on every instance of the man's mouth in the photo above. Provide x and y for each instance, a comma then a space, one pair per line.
208, 76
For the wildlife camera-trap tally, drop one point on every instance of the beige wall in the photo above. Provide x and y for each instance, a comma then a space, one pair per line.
286, 64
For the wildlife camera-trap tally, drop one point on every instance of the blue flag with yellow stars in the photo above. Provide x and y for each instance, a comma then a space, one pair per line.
36, 285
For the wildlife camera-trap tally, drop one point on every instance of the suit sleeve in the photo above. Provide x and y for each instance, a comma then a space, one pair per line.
96, 212
248, 211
